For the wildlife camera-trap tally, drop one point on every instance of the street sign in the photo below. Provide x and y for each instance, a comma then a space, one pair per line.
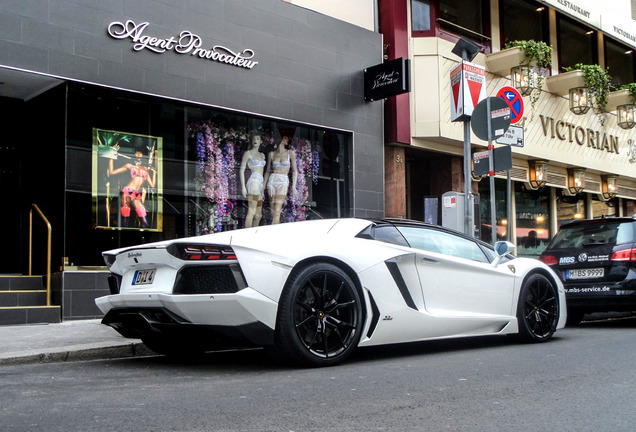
514, 99
502, 157
468, 87
512, 137
498, 117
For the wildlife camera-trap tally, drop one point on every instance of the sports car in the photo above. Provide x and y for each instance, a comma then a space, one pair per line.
311, 292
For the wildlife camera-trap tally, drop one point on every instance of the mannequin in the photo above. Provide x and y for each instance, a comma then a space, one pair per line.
280, 162
253, 187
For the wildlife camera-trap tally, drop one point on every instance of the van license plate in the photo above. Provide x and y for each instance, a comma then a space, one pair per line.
585, 273
144, 277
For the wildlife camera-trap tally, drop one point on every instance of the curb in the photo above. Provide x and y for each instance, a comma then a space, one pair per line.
84, 352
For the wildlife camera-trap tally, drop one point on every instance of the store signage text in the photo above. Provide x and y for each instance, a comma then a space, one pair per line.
574, 8
565, 131
186, 43
387, 79
625, 34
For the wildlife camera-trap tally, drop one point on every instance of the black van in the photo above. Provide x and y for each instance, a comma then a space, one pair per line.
596, 260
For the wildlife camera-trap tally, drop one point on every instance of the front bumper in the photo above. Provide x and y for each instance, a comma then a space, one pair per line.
246, 316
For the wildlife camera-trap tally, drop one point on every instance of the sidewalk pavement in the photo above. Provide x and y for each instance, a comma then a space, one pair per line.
66, 341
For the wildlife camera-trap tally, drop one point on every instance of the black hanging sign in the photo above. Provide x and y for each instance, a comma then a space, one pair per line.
387, 79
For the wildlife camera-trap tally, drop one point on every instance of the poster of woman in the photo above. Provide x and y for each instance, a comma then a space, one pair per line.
127, 181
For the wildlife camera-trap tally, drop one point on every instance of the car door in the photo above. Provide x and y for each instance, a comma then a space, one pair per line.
456, 276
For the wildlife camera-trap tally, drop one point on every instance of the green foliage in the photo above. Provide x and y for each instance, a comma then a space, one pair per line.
632, 90
538, 53
597, 81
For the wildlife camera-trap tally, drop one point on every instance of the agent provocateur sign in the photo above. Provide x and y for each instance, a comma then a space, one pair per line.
186, 43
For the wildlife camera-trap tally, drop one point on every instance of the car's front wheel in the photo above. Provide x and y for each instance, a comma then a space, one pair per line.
320, 316
538, 309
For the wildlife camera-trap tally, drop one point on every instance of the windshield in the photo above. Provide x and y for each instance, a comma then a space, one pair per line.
593, 234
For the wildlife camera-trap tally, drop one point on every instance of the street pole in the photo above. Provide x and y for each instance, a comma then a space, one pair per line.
491, 175
468, 197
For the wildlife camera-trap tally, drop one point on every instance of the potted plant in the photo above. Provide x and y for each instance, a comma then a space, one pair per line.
597, 81
526, 52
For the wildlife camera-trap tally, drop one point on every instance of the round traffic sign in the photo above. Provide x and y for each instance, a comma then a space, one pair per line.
514, 99
490, 115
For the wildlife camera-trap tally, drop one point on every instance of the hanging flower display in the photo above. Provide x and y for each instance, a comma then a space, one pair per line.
219, 151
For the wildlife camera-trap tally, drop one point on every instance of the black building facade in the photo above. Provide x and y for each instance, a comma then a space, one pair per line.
139, 121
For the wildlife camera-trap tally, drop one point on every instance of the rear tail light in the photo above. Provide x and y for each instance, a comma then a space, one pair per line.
549, 259
191, 252
624, 255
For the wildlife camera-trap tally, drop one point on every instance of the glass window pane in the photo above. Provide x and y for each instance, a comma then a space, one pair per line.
441, 242
619, 59
523, 20
533, 220
484, 210
604, 208
463, 13
577, 43
421, 15
570, 208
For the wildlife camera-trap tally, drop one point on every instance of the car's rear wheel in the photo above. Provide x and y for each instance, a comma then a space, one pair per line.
538, 309
320, 316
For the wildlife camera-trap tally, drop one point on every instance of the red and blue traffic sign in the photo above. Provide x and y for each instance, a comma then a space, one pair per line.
514, 99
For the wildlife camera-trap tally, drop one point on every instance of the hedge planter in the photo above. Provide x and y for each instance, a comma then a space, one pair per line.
501, 62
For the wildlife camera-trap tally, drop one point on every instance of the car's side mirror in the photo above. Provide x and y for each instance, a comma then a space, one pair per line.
501, 249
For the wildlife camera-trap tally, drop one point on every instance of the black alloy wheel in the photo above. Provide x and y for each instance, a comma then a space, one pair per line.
538, 309
320, 316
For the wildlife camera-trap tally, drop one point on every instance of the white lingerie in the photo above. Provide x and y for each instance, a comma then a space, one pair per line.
276, 182
257, 178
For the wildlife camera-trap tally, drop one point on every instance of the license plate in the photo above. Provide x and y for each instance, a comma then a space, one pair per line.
144, 277
585, 273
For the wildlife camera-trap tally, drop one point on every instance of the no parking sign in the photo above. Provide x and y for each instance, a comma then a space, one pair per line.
514, 99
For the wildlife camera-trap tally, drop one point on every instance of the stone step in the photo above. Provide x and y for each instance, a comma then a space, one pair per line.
30, 315
22, 298
21, 283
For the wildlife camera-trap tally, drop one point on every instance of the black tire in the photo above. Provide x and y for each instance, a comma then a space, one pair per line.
320, 317
538, 309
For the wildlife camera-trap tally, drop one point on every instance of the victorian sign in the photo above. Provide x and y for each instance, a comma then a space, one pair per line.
186, 43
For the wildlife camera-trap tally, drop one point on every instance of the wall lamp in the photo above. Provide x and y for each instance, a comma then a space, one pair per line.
579, 100
538, 174
609, 186
523, 79
626, 116
576, 180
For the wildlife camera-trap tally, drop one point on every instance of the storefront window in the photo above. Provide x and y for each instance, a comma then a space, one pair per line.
577, 43
143, 169
251, 172
485, 231
533, 220
523, 20
570, 208
604, 208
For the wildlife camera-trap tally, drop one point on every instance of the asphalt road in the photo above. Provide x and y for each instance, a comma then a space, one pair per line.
582, 380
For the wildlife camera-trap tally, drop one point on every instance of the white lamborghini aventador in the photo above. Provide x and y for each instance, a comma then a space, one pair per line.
311, 292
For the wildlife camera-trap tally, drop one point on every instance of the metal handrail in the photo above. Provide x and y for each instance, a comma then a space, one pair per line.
48, 249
